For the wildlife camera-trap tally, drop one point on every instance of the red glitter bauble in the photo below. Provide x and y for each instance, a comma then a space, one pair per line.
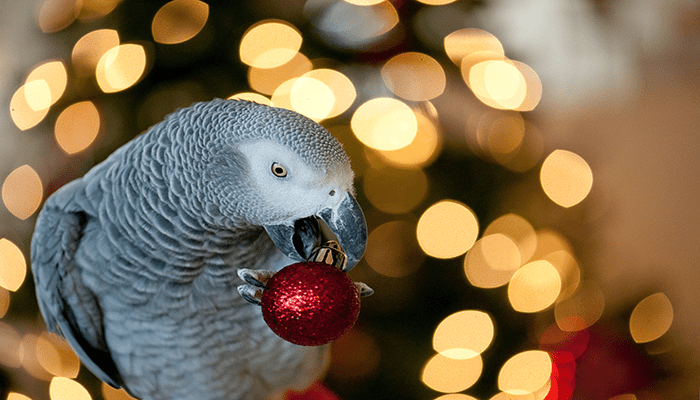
310, 303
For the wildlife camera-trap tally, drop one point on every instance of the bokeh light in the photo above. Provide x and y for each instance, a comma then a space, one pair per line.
13, 265
392, 249
651, 318
525, 372
4, 299
22, 192
384, 124
549, 241
500, 132
93, 9
254, 97
423, 149
67, 389
455, 396
436, 2
269, 44
88, 50
534, 287
364, 2
395, 191
55, 15
466, 41
582, 309
29, 357
54, 74
179, 21
22, 112
56, 356
568, 269
343, 90
121, 67
267, 80
519, 230
448, 375
566, 178
9, 345
492, 261
77, 127
110, 393
17, 396
447, 229
311, 97
498, 83
464, 334
414, 76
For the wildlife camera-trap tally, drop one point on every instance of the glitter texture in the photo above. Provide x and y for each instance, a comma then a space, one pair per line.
310, 303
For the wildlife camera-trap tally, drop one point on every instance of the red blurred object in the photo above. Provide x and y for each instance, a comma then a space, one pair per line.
310, 303
317, 391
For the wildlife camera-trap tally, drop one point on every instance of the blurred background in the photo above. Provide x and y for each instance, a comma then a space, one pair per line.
528, 170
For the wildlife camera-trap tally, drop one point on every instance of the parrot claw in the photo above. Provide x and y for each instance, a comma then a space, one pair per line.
364, 289
250, 294
255, 277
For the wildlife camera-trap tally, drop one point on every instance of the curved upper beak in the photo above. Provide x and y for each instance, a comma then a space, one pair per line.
344, 223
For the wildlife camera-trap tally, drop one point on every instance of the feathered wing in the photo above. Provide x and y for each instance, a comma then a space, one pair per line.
69, 307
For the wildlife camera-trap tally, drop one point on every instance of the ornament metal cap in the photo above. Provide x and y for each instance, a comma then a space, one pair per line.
330, 253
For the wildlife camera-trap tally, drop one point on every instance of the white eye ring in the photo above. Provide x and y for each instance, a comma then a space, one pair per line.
278, 170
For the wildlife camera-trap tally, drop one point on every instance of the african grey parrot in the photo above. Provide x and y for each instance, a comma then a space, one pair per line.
136, 263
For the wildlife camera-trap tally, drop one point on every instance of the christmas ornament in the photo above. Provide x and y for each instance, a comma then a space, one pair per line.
309, 303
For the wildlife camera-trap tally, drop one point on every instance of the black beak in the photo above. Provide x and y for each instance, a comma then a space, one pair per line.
344, 223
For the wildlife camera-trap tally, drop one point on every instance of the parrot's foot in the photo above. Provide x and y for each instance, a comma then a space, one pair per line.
363, 289
256, 280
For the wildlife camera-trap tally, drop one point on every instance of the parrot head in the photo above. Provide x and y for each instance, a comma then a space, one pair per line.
280, 170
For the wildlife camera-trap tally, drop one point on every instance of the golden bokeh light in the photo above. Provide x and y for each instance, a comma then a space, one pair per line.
519, 230
28, 357
267, 80
395, 191
22, 192
580, 310
254, 97
38, 94
17, 396
464, 42
4, 298
447, 229
56, 356
282, 96
525, 372
498, 84
364, 2
67, 389
121, 67
448, 375
550, 241
179, 21
414, 76
464, 334
500, 132
534, 287
392, 249
13, 266
269, 44
22, 112
55, 15
492, 261
343, 90
436, 2
527, 155
651, 318
311, 97
9, 343
455, 396
421, 152
533, 87
566, 178
90, 48
470, 60
53, 74
110, 393
97, 8
384, 124
77, 127
568, 269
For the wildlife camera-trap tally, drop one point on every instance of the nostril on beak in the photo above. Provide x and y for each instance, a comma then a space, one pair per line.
332, 193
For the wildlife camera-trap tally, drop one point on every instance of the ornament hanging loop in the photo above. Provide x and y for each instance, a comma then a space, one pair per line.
330, 253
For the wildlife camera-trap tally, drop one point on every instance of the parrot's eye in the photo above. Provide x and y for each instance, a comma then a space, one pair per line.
279, 170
